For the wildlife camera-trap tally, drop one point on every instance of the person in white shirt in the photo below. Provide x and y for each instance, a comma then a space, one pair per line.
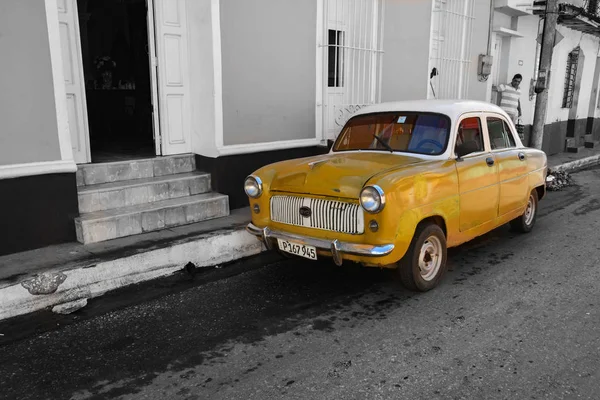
510, 100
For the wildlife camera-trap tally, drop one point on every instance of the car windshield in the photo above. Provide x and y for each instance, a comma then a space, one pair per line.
410, 132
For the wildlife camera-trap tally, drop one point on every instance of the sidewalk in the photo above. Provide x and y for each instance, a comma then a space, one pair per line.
66, 276
570, 162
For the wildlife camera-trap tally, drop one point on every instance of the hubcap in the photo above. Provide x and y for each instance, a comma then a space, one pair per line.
430, 258
530, 211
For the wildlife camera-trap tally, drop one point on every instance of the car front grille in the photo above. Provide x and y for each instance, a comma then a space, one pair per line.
330, 215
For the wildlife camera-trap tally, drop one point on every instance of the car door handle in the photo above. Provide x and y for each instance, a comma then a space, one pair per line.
521, 156
489, 161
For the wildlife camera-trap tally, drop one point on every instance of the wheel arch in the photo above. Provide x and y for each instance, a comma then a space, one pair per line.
435, 219
541, 191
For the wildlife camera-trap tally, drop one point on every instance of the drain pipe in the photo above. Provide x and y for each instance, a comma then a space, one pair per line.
489, 44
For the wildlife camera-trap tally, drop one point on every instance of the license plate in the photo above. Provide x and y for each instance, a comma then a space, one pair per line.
301, 250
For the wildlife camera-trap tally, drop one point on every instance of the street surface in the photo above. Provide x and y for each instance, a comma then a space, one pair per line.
516, 317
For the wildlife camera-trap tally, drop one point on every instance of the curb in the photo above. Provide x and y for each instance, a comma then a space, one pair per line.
577, 165
83, 282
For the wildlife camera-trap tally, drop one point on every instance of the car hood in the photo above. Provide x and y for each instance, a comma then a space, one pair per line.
335, 175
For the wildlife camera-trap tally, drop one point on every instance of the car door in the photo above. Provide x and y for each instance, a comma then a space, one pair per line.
477, 176
512, 164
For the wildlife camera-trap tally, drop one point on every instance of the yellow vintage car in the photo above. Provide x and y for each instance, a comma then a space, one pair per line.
403, 182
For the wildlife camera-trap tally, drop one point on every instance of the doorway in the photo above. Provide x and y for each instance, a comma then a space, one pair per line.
115, 51
497, 73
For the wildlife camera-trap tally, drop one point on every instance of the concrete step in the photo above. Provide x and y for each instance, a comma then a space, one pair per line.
94, 174
107, 196
110, 224
594, 144
572, 145
574, 149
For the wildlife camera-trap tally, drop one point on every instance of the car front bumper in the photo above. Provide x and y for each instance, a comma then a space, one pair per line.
336, 247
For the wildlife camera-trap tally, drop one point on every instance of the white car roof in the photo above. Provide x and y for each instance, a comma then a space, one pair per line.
451, 108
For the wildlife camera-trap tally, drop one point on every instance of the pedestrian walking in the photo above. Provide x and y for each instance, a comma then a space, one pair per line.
510, 97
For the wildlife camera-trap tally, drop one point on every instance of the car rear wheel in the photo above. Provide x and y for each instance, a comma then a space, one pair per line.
424, 264
525, 222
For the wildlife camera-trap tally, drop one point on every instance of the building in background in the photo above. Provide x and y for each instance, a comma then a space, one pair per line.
100, 98
573, 104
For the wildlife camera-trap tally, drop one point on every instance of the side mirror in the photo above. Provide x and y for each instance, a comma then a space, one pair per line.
466, 148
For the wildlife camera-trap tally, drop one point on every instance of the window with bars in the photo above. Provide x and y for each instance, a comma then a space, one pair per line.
571, 74
335, 67
450, 48
592, 6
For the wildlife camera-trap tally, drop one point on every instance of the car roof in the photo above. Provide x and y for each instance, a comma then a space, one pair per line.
451, 108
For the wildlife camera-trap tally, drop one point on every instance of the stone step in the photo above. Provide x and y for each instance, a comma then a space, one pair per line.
592, 144
107, 196
110, 224
574, 149
94, 174
572, 145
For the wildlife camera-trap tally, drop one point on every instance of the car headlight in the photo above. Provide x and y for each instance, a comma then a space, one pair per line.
372, 199
253, 186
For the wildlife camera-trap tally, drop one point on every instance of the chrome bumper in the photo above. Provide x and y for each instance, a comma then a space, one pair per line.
336, 247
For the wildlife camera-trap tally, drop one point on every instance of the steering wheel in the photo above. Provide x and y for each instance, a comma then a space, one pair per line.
429, 141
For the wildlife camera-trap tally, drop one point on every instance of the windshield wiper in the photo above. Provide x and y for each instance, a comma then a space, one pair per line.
384, 144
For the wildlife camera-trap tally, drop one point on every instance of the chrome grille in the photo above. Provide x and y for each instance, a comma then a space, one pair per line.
330, 215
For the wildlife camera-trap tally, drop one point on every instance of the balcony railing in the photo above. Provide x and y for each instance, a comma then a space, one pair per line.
579, 15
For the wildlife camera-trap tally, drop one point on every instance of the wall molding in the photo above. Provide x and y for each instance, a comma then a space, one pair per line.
267, 146
37, 168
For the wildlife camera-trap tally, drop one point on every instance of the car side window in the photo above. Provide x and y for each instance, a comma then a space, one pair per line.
509, 133
469, 132
500, 135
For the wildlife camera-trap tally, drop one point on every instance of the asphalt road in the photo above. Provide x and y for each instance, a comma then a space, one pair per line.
517, 317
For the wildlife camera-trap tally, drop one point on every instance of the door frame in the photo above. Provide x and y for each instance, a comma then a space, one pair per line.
496, 66
76, 53
153, 61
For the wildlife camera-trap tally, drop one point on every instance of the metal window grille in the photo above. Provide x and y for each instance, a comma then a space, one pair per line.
592, 6
352, 53
571, 74
452, 33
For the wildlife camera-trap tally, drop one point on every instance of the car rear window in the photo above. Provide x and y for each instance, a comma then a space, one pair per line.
410, 132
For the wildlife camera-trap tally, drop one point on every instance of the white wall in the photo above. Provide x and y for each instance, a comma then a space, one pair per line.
590, 47
406, 42
479, 90
502, 20
29, 130
269, 70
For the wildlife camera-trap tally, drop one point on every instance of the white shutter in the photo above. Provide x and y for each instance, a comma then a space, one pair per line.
173, 76
74, 81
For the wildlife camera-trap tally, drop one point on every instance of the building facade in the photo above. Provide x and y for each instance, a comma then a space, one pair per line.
239, 84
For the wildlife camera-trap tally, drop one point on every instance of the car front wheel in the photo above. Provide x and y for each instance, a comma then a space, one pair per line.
424, 264
525, 222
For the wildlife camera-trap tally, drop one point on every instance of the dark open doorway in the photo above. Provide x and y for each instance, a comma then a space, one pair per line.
114, 41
